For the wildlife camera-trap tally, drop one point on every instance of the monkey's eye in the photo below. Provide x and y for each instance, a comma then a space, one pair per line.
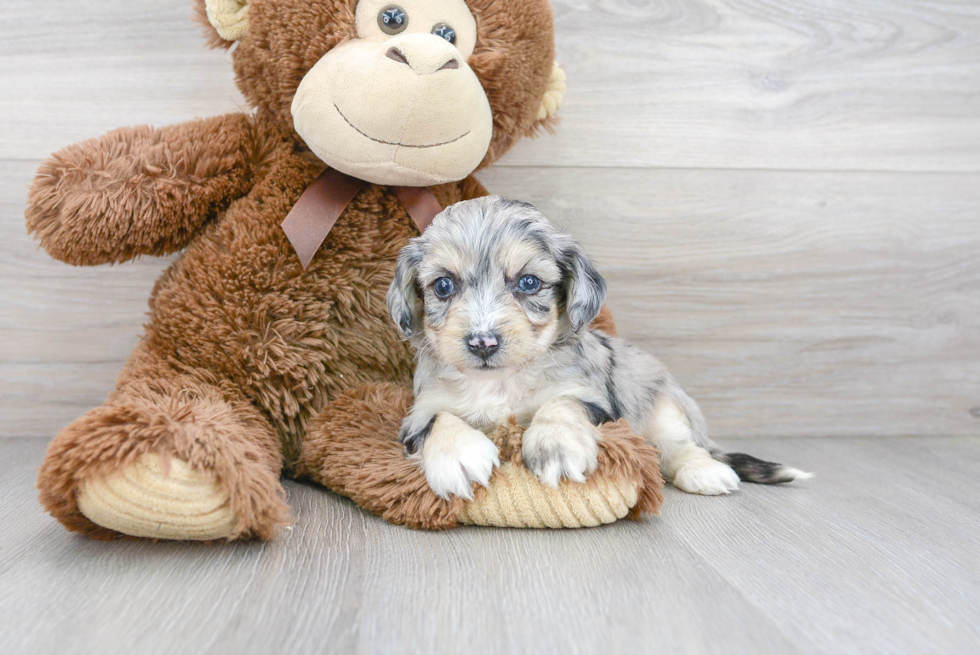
444, 287
444, 31
392, 19
529, 284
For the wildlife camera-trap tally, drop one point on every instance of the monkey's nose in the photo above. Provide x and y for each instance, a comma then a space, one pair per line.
422, 65
483, 345
397, 55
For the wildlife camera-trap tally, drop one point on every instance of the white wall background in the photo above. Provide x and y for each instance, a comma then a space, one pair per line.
785, 198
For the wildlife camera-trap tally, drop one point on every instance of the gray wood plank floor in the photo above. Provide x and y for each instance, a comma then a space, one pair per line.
877, 554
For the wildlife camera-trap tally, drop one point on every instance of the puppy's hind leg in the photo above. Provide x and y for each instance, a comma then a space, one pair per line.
747, 467
689, 466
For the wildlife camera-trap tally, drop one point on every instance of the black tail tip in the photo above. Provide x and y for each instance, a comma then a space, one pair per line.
753, 469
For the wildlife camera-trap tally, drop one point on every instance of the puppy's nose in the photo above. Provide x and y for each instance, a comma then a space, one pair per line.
483, 345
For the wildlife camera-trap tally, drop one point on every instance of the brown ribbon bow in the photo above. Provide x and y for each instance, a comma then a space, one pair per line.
313, 216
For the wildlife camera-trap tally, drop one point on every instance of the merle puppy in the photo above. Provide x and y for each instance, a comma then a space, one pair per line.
498, 303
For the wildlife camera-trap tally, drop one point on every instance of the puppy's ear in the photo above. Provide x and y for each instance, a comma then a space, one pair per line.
585, 289
404, 305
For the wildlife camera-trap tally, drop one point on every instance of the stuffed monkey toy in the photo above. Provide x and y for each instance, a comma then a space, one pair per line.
268, 350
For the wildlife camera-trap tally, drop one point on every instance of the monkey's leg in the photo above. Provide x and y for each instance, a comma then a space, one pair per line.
352, 448
168, 456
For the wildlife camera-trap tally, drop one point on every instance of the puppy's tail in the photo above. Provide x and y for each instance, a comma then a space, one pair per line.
753, 469
748, 468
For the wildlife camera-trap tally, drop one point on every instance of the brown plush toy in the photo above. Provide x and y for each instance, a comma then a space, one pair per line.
269, 349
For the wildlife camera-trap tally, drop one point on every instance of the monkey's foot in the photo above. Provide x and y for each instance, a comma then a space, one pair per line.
150, 499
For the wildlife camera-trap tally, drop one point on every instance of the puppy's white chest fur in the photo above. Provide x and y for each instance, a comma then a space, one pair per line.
485, 402
488, 401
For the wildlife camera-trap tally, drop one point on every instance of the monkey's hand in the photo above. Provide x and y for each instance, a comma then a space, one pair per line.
140, 190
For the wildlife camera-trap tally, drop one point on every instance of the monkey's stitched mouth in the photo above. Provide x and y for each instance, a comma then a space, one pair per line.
393, 143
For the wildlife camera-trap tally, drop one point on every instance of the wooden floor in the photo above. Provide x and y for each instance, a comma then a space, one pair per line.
877, 554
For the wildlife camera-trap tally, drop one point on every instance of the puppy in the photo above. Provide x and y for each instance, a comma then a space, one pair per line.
498, 304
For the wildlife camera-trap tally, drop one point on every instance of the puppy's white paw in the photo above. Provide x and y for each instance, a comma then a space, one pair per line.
706, 476
552, 450
454, 456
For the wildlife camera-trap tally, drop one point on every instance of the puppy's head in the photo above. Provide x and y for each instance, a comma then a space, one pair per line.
491, 285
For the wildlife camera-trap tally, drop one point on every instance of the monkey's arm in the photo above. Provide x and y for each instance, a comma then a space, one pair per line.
140, 190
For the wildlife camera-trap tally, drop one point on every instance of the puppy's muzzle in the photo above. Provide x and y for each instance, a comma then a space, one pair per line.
483, 345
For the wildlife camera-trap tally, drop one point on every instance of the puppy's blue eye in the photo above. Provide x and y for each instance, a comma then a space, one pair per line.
529, 284
444, 287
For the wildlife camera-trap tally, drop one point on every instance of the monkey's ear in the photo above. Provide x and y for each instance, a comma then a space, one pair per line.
228, 18
551, 101
403, 301
585, 288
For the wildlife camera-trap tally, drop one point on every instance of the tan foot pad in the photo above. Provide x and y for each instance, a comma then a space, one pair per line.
515, 499
141, 501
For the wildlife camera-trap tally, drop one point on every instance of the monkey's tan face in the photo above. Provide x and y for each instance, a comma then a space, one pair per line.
399, 104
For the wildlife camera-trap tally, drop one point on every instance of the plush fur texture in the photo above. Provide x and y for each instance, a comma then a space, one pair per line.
143, 191
243, 348
237, 323
513, 57
191, 421
342, 451
622, 456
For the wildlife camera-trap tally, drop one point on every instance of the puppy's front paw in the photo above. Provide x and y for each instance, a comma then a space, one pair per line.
552, 450
454, 456
706, 476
